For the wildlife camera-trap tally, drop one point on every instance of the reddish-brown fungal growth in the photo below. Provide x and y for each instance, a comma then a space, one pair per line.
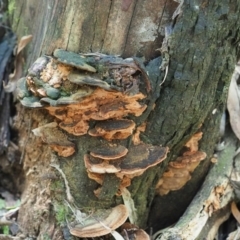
96, 177
192, 144
99, 105
113, 129
101, 222
125, 182
63, 151
109, 152
136, 136
178, 172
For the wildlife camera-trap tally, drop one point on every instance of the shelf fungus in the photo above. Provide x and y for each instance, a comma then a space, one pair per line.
178, 173
113, 129
109, 152
57, 140
101, 222
77, 88
125, 164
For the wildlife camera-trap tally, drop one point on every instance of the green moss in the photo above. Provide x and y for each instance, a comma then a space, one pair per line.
58, 190
60, 213
5, 230
58, 184
11, 7
46, 237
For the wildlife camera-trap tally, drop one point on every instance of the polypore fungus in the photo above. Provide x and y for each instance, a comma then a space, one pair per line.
113, 129
101, 222
140, 158
192, 144
77, 89
65, 88
109, 152
101, 159
137, 160
179, 171
100, 166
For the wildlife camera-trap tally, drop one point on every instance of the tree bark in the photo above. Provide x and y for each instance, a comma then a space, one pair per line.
202, 49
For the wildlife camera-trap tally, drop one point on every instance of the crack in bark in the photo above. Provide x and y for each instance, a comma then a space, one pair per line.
160, 20
94, 27
109, 12
70, 30
129, 27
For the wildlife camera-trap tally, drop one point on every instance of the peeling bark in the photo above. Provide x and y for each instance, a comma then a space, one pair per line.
202, 47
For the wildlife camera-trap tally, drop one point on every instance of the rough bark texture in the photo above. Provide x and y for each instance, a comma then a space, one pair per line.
202, 48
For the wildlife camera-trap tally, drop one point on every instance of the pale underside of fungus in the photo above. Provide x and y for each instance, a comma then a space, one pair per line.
101, 222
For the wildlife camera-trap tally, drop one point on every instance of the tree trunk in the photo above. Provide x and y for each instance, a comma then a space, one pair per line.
199, 43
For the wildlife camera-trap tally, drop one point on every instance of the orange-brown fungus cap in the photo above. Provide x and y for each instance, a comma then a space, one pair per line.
136, 136
96, 177
113, 129
192, 143
100, 166
109, 152
178, 172
125, 182
101, 222
140, 158
63, 151
189, 157
99, 105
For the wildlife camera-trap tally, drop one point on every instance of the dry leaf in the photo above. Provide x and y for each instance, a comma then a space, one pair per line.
129, 203
18, 65
23, 43
233, 103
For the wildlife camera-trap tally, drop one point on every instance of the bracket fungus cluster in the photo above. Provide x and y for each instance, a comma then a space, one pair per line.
96, 95
179, 171
113, 129
124, 163
77, 89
